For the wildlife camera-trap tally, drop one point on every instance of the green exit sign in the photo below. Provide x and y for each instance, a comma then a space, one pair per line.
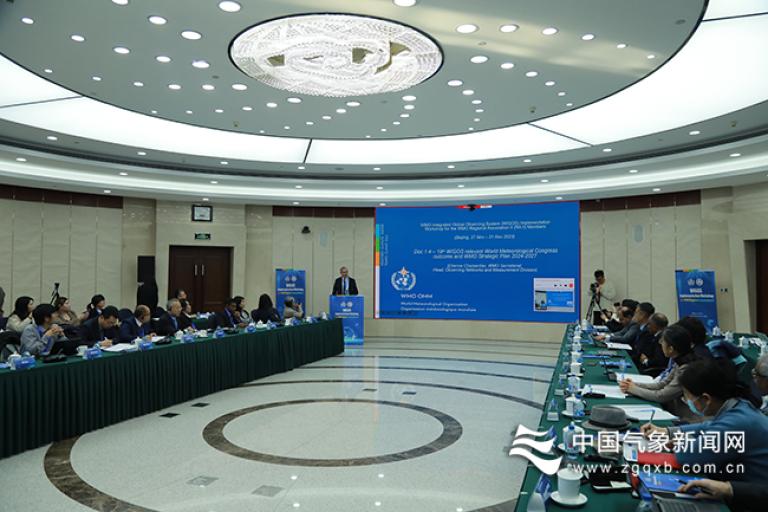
202, 236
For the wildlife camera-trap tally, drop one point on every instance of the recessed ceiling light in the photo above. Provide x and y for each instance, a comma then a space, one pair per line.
296, 203
734, 155
298, 186
205, 199
341, 111
153, 111
294, 100
549, 31
549, 83
621, 46
353, 103
405, 116
460, 186
327, 118
200, 64
559, 198
301, 167
123, 174
379, 188
27, 21
561, 93
479, 110
527, 160
52, 137
470, 129
531, 74
477, 119
657, 190
507, 65
694, 132
633, 171
174, 87
271, 104
189, 112
479, 59
191, 35
545, 181
48, 70
383, 130
477, 102
404, 3
569, 104
455, 83
382, 204
163, 58
219, 110
239, 87
208, 87
77, 38
409, 107
247, 108
262, 131
107, 191
607, 150
21, 159
214, 182
96, 78
229, 6
377, 168
651, 56
141, 153
409, 98
367, 136
224, 162
309, 123
157, 20
396, 123
588, 37
508, 28
451, 166
468, 92
466, 29
286, 127
138, 84
120, 2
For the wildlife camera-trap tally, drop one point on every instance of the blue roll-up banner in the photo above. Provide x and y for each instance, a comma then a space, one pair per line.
351, 309
290, 283
696, 295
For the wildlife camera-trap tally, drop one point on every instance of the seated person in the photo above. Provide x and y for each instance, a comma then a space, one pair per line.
626, 316
676, 344
43, 337
292, 309
64, 314
711, 389
228, 317
94, 308
242, 312
101, 330
22, 315
698, 334
737, 495
137, 326
760, 380
169, 324
611, 318
266, 311
648, 348
186, 317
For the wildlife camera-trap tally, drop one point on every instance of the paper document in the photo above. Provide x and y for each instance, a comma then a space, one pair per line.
609, 390
157, 338
618, 346
643, 412
120, 347
640, 379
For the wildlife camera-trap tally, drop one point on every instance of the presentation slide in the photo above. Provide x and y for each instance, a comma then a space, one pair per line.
484, 262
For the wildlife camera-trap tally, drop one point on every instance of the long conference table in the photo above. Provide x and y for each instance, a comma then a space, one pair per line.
593, 374
57, 401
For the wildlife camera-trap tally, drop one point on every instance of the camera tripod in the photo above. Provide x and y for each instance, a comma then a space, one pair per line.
593, 303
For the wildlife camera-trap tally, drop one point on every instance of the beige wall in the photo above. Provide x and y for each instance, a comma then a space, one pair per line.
138, 240
77, 246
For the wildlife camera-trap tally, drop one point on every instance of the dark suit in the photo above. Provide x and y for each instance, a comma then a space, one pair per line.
338, 288
627, 335
130, 330
184, 322
648, 345
265, 315
91, 332
167, 325
224, 319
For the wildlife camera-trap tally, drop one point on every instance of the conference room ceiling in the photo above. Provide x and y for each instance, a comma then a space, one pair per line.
547, 87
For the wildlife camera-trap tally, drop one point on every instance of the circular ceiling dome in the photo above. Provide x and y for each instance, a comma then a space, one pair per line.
336, 55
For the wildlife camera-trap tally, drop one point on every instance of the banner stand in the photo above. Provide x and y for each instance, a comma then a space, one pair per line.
696, 296
290, 283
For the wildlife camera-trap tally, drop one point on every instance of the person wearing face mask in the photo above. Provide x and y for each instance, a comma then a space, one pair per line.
712, 388
760, 380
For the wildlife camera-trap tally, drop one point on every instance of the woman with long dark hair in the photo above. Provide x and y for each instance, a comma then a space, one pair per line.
266, 311
64, 314
22, 314
95, 307
240, 305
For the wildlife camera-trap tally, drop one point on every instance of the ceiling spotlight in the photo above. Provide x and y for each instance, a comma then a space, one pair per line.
651, 56
353, 103
293, 100
229, 6
455, 83
239, 87
271, 104
588, 37
531, 74
477, 102
174, 87
383, 130
77, 38
479, 110
298, 186
224, 162
189, 112
527, 160
451, 166
545, 181
471, 129
479, 59
157, 20
52, 137
205, 199
382, 204
621, 46
404, 3
377, 168
507, 65
734, 155
633, 171
310, 123
396, 123
214, 182
219, 110
657, 190
559, 198
460, 186
141, 153
477, 119
607, 150
120, 2
21, 159
191, 35
123, 174
409, 98
301, 167
409, 107
96, 78
367, 136
694, 132
327, 118
466, 29
468, 92
48, 70
561, 93
262, 131
549, 83
208, 87
27, 21
549, 31
163, 58
405, 116
569, 104
508, 28
286, 127
247, 108
200, 64
138, 84
341, 111
379, 188
153, 111
107, 191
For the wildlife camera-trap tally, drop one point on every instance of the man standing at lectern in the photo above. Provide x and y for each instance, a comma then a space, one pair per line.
344, 285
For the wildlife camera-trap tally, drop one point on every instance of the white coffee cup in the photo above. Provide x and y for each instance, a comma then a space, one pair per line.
574, 381
568, 484
570, 403
575, 356
81, 350
576, 368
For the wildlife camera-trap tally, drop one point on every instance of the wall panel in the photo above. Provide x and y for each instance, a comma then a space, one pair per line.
109, 236
639, 255
82, 260
27, 249
663, 261
6, 253
55, 257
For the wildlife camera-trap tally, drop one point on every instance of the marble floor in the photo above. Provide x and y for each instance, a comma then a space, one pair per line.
399, 425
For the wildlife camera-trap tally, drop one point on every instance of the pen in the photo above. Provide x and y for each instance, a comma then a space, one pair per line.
653, 413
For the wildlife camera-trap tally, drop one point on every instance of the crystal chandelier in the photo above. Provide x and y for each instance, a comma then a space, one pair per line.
336, 55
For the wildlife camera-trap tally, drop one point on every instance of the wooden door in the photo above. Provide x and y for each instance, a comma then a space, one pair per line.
761, 262
205, 273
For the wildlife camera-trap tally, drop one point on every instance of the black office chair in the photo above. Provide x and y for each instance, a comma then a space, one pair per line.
10, 343
124, 314
3, 322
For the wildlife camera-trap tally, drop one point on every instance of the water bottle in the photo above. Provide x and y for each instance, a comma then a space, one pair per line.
622, 368
552, 413
569, 440
560, 389
578, 407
